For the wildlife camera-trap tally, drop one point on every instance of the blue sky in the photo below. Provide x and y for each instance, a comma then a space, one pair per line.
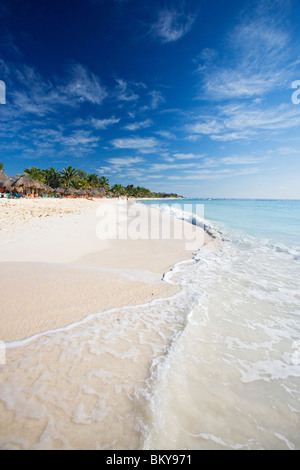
193, 97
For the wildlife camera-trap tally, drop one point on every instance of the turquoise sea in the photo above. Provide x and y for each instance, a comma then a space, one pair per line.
231, 379
277, 221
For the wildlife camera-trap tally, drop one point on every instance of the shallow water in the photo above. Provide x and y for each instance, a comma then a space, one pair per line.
232, 378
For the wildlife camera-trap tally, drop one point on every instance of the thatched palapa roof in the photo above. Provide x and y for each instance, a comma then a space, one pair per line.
25, 181
3, 178
48, 188
59, 191
70, 191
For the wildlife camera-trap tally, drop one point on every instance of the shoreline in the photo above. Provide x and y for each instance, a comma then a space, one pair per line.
55, 271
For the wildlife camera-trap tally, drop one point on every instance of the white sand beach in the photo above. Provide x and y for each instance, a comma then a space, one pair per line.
55, 270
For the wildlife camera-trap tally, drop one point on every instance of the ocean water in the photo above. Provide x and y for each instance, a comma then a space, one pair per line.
231, 380
217, 366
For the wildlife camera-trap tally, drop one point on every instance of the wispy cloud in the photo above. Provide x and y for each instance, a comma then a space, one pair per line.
30, 93
166, 134
85, 85
124, 92
245, 121
80, 138
125, 161
125, 166
138, 125
156, 98
104, 123
172, 25
259, 58
138, 143
241, 160
157, 167
214, 174
188, 156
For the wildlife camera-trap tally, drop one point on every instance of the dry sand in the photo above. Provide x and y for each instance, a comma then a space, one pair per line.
54, 269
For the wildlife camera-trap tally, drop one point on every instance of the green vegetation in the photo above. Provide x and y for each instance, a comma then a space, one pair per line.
73, 178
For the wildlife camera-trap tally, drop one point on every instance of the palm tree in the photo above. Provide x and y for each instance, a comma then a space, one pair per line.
69, 176
118, 190
52, 177
1, 166
35, 173
82, 180
104, 183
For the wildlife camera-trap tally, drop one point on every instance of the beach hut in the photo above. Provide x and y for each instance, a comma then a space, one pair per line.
82, 192
48, 189
3, 179
98, 192
101, 192
70, 192
26, 185
7, 185
58, 192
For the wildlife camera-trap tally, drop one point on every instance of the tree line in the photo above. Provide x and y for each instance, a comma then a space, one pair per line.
79, 179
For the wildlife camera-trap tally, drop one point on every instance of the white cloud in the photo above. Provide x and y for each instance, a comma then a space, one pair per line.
231, 136
125, 161
157, 167
244, 121
207, 126
104, 123
123, 92
187, 156
79, 143
239, 160
85, 85
172, 25
259, 58
166, 135
31, 93
138, 125
215, 174
138, 143
156, 99
156, 177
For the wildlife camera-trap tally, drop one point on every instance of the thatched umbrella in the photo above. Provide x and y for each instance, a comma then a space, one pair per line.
7, 185
102, 192
70, 191
48, 189
96, 193
42, 186
26, 184
3, 178
82, 192
58, 191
